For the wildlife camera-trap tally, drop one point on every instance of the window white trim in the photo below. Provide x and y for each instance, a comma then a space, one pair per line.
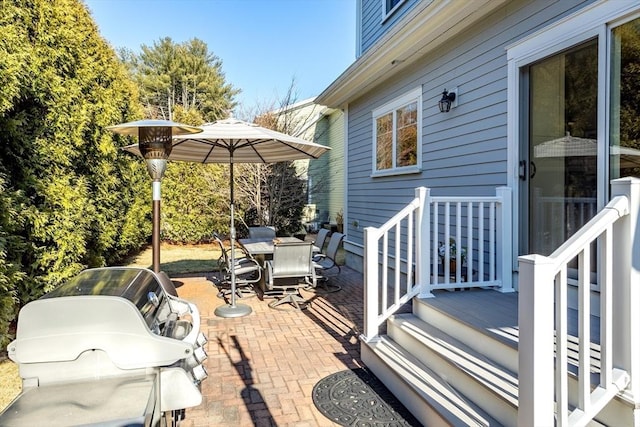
387, 13
414, 95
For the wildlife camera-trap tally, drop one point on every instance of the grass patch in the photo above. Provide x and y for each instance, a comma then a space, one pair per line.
11, 382
179, 259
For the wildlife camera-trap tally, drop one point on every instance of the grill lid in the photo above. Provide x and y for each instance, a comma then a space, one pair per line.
133, 284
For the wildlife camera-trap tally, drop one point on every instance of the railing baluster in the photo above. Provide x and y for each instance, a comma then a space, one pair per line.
458, 241
606, 307
434, 242
447, 236
410, 246
397, 267
481, 240
584, 334
470, 242
492, 241
562, 358
385, 271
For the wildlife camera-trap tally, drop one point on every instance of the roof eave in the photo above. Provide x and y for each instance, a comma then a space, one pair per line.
426, 27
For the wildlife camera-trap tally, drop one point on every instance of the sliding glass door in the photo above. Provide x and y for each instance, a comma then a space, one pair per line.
624, 129
561, 169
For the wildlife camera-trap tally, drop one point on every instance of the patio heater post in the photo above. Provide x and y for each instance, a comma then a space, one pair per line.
155, 147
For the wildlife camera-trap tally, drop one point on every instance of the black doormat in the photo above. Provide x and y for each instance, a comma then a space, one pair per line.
357, 398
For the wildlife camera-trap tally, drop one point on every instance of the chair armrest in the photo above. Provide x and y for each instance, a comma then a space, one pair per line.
269, 275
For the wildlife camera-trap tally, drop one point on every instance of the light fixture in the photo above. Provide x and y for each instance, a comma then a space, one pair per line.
447, 100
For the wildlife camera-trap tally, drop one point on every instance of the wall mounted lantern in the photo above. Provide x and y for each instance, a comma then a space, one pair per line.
447, 101
155, 143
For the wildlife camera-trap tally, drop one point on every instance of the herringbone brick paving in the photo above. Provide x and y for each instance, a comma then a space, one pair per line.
263, 367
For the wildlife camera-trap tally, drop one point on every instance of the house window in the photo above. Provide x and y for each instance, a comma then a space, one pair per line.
396, 133
390, 6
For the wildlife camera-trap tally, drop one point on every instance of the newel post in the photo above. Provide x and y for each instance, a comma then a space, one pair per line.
423, 224
424, 255
536, 342
626, 281
371, 283
504, 239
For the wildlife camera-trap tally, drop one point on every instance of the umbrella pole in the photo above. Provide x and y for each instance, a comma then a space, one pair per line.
232, 310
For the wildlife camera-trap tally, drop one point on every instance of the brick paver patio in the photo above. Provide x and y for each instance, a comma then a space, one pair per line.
263, 367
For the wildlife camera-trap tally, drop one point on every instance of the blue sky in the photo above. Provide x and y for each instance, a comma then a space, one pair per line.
263, 44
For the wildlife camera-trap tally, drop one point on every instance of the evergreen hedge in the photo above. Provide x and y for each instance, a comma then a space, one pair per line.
69, 198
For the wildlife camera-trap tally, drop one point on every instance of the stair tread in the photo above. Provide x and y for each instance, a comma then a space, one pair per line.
455, 407
501, 320
470, 307
490, 374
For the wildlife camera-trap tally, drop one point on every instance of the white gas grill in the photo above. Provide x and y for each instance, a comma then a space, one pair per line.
113, 346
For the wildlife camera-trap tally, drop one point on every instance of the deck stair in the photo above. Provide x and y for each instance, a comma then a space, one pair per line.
560, 348
453, 360
436, 354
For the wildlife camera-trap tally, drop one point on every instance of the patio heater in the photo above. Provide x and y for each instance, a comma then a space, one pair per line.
154, 142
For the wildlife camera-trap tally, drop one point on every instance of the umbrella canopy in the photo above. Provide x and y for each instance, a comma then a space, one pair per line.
235, 141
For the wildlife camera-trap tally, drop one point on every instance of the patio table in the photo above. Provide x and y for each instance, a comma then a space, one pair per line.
264, 247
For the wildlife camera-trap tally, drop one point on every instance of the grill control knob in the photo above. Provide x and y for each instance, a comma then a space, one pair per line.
199, 373
200, 354
201, 340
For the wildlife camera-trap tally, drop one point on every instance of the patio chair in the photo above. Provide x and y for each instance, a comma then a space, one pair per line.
321, 238
266, 232
247, 270
327, 260
291, 269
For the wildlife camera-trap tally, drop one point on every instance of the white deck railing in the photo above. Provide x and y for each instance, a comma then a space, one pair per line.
401, 257
481, 226
544, 362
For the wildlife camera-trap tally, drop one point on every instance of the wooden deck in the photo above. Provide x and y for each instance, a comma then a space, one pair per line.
490, 311
494, 312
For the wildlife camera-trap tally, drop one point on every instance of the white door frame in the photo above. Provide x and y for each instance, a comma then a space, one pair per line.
588, 23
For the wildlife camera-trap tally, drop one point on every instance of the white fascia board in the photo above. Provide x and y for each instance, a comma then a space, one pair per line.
426, 27
299, 104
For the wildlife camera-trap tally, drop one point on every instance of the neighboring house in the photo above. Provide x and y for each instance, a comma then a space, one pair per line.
325, 176
525, 159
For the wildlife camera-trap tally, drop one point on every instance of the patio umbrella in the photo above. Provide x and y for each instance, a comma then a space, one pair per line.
572, 146
236, 141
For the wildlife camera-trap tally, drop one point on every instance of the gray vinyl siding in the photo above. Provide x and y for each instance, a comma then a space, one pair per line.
373, 26
464, 152
327, 172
